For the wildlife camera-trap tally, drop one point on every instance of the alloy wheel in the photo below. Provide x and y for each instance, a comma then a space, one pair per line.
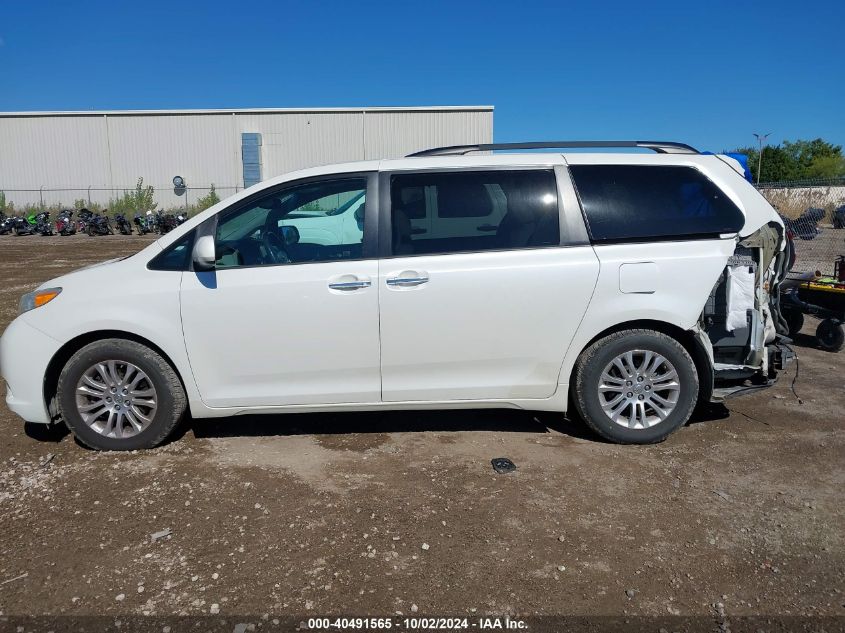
639, 389
116, 399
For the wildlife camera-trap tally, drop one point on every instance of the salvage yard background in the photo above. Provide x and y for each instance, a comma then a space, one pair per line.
739, 513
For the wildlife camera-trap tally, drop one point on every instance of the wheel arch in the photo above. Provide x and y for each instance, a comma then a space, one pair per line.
687, 338
63, 355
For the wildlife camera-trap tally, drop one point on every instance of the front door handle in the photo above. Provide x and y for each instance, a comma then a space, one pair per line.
351, 285
406, 281
488, 228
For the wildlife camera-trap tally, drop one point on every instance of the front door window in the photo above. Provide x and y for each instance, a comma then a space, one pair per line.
313, 222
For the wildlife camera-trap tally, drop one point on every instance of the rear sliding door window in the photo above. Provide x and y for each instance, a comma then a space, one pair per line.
450, 212
640, 202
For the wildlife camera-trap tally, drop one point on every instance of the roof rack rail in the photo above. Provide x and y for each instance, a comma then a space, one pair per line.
661, 147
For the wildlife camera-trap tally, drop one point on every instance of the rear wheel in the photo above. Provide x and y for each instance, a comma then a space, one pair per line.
635, 386
116, 394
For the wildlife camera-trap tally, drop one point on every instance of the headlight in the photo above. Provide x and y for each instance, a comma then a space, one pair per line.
36, 299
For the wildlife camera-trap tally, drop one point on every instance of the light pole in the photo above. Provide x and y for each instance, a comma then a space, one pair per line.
761, 138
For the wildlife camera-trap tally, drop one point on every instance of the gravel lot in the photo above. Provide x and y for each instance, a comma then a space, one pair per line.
738, 514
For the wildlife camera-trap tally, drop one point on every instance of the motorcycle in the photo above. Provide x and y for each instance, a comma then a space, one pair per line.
156, 221
7, 224
25, 225
806, 225
123, 224
167, 222
84, 216
142, 224
99, 225
64, 223
43, 225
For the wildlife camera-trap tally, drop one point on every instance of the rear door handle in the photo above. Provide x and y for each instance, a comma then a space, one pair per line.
350, 285
406, 281
487, 227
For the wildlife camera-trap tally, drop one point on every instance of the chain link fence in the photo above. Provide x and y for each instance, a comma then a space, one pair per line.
814, 212
140, 197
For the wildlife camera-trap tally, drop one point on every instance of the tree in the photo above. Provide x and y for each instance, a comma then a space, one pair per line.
798, 160
139, 200
208, 200
805, 154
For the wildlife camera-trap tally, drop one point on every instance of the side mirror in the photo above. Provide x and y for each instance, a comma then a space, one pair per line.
204, 255
290, 234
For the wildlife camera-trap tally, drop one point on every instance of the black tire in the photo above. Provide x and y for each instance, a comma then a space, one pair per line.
831, 335
170, 394
596, 357
795, 321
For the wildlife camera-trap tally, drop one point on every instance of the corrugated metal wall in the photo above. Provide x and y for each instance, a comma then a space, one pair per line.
60, 157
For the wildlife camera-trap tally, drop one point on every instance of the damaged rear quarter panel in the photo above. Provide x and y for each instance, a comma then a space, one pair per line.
684, 272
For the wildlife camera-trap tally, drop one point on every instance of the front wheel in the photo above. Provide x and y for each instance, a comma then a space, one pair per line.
635, 386
115, 394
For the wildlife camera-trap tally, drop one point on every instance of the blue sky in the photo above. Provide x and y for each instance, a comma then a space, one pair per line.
707, 73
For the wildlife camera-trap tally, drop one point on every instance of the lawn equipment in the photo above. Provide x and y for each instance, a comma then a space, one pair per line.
822, 297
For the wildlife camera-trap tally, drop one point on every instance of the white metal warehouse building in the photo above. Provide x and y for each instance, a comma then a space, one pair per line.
57, 157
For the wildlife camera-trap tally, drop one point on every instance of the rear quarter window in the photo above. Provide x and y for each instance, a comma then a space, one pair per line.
642, 202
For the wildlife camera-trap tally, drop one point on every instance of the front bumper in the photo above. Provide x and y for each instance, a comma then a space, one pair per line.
25, 353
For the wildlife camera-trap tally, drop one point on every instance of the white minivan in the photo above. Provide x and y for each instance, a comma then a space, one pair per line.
629, 285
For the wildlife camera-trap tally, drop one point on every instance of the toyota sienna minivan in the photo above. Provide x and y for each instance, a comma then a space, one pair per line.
630, 286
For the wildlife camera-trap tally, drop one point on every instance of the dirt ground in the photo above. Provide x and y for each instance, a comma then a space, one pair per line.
738, 514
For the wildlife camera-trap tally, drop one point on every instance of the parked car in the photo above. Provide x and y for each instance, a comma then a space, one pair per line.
632, 285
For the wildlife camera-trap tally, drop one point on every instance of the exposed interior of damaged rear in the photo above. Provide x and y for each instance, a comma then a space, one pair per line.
741, 323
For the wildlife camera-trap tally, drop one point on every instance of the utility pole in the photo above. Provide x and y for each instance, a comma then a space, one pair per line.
761, 138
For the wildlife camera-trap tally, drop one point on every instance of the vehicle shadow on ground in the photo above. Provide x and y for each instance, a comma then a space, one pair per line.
349, 423
499, 420
52, 433
806, 340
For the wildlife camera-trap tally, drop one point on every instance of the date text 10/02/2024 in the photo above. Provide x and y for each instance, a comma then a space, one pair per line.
417, 624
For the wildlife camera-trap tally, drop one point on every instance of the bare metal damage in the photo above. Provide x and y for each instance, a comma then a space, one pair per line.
766, 326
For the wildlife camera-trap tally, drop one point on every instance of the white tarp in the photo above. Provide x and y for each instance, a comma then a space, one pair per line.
740, 297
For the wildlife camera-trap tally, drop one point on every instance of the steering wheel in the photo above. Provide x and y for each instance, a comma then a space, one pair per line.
274, 247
